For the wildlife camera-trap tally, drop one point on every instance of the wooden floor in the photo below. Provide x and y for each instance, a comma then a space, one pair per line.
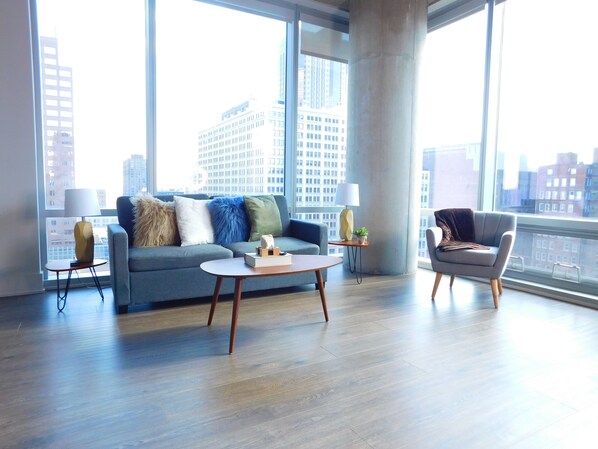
390, 370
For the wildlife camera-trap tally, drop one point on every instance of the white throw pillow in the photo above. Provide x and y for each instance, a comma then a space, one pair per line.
193, 221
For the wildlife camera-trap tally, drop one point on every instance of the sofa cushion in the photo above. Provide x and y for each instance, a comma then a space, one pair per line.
193, 220
174, 257
479, 257
281, 201
155, 222
229, 219
264, 216
288, 244
126, 216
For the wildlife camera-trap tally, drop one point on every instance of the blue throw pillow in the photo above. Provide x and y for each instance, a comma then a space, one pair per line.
229, 219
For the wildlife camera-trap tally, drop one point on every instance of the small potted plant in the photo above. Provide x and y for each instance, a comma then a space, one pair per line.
362, 235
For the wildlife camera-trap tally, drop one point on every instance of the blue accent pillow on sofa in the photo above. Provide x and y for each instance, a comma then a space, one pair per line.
230, 220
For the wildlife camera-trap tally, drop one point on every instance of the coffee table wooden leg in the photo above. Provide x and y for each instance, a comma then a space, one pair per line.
322, 294
215, 298
236, 303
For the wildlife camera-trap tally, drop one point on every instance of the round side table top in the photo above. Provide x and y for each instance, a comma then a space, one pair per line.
71, 264
353, 242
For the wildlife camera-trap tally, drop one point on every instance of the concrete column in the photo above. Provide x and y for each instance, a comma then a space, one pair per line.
20, 271
386, 39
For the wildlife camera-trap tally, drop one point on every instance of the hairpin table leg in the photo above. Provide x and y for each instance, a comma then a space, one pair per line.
353, 267
61, 299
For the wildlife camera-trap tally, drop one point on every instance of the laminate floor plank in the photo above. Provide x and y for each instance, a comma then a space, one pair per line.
391, 369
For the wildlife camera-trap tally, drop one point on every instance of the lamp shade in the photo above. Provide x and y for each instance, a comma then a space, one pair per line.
81, 203
347, 194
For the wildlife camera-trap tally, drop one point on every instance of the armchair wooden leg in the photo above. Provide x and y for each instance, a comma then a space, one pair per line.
452, 281
436, 284
494, 287
499, 286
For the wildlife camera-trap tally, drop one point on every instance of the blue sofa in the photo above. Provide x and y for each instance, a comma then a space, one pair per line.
154, 274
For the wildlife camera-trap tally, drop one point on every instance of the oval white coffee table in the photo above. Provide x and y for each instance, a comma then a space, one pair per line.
237, 269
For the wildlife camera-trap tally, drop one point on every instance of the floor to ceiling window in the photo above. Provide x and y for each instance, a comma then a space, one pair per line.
183, 96
546, 134
220, 100
538, 154
451, 101
321, 150
450, 116
92, 107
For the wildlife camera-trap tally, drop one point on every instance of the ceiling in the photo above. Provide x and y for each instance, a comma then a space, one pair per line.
339, 4
344, 4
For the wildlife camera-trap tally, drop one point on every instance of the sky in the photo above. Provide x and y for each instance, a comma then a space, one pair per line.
198, 82
209, 59
548, 87
106, 52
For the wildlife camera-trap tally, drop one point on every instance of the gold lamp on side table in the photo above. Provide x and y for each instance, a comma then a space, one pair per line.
82, 203
347, 194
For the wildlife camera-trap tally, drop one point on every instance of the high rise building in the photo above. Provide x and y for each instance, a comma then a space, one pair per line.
59, 145
322, 82
565, 190
134, 175
57, 116
59, 151
561, 187
244, 153
424, 222
591, 188
453, 175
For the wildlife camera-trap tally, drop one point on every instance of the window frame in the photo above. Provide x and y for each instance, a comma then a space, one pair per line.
444, 13
292, 13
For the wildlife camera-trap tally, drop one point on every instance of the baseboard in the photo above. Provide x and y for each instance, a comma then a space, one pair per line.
580, 299
17, 284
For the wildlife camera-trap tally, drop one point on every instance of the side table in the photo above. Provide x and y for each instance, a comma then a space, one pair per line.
59, 266
353, 247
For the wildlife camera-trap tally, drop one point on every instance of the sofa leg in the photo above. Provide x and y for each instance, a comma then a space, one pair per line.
494, 287
499, 282
436, 284
452, 281
121, 310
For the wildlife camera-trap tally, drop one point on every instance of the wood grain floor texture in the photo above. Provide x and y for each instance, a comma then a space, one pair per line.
391, 369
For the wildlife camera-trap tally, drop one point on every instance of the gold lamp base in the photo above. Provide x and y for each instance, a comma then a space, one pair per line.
84, 241
346, 224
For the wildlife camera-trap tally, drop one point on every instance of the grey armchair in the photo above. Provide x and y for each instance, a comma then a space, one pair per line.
496, 230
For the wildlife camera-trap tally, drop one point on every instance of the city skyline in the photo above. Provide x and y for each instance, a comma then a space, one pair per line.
321, 149
107, 133
60, 152
539, 105
565, 188
271, 140
80, 45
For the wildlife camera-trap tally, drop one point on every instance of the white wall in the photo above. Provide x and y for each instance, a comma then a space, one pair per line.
20, 270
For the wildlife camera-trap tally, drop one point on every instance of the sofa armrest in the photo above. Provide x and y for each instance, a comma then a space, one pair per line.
311, 232
118, 246
433, 238
507, 241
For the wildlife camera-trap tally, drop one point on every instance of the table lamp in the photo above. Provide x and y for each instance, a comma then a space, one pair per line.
348, 195
82, 203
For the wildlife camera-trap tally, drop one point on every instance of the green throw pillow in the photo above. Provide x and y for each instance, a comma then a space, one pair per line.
264, 216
